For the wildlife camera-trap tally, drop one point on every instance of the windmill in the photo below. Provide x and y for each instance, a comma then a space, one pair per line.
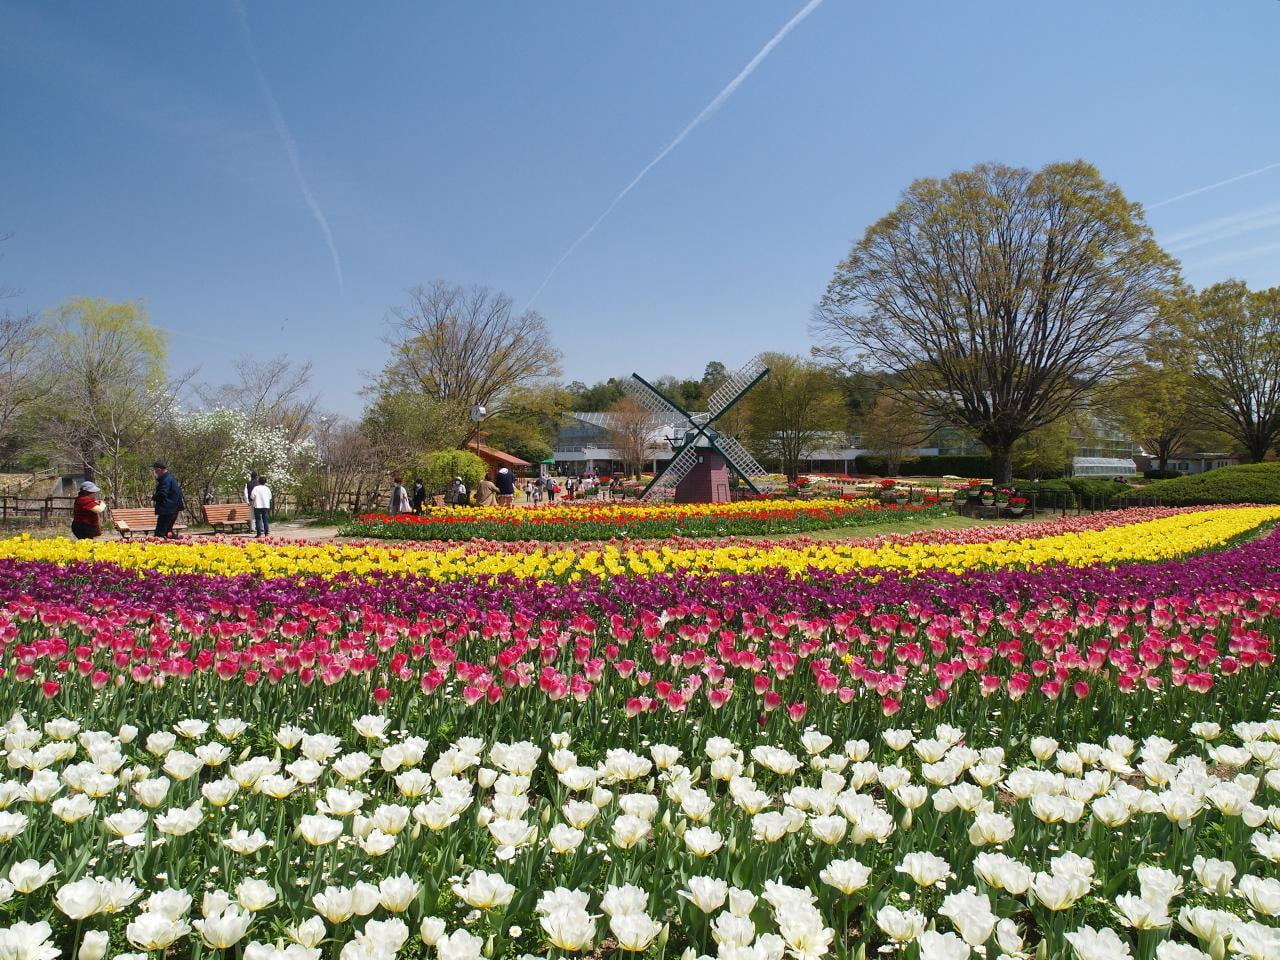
698, 471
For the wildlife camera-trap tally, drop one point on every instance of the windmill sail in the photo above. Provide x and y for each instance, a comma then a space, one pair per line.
649, 398
735, 386
676, 470
742, 461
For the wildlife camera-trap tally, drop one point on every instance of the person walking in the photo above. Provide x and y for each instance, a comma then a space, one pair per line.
458, 495
552, 487
167, 499
86, 512
260, 497
399, 498
486, 493
506, 487
419, 496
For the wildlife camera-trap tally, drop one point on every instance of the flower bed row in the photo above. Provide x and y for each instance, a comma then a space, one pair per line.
1069, 647
363, 841
1142, 540
604, 521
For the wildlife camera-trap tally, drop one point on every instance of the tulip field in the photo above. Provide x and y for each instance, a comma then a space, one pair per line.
588, 520
1046, 740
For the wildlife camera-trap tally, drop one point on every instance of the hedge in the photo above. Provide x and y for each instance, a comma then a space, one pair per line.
1248, 483
957, 466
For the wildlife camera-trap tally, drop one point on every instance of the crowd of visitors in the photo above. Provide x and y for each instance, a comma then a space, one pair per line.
500, 489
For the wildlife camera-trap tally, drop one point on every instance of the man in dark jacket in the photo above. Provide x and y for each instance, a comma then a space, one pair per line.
167, 499
506, 487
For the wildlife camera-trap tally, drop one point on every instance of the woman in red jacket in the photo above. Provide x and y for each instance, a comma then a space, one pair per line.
86, 514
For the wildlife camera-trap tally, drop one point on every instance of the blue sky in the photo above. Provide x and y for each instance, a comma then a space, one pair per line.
475, 142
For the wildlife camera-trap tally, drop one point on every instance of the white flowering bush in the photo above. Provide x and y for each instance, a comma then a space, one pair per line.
233, 445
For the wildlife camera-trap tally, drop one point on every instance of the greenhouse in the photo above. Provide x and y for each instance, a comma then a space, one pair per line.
1103, 467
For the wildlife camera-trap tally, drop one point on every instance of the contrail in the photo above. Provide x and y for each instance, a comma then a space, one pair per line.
709, 109
1223, 228
1214, 186
286, 138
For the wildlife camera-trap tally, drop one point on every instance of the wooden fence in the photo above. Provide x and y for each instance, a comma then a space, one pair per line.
36, 511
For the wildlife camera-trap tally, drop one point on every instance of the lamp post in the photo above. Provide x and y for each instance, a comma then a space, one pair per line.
478, 413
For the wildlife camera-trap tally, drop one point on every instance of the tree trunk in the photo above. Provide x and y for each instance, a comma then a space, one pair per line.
1257, 445
1001, 463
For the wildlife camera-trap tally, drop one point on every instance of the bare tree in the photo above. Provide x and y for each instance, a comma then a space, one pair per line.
1236, 336
20, 385
631, 430
892, 429
466, 346
19, 368
1000, 298
275, 392
348, 468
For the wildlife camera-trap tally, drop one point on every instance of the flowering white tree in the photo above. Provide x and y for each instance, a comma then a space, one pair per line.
267, 449
212, 452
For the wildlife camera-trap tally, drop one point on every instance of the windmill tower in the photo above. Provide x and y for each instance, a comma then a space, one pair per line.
702, 456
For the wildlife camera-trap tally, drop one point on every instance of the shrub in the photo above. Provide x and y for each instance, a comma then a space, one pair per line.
1248, 483
440, 467
1160, 474
1096, 488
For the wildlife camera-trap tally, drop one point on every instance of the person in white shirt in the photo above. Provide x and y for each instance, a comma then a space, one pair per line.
260, 497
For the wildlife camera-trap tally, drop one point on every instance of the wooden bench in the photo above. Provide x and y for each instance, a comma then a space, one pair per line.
138, 520
220, 515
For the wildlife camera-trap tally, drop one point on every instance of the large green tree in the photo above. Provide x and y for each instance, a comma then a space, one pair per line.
403, 426
529, 422
1000, 298
1235, 333
793, 410
1045, 452
1153, 400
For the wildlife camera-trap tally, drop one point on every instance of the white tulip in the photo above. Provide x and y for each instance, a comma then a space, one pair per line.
154, 931
93, 945
484, 891
1090, 944
255, 895
847, 876
27, 876
942, 946
708, 894
224, 930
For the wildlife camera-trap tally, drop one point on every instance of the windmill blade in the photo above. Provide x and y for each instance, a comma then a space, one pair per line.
733, 388
741, 460
677, 468
648, 397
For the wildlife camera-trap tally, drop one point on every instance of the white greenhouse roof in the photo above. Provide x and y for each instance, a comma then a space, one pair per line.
1103, 466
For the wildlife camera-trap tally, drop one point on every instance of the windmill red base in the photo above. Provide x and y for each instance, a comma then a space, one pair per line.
707, 482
